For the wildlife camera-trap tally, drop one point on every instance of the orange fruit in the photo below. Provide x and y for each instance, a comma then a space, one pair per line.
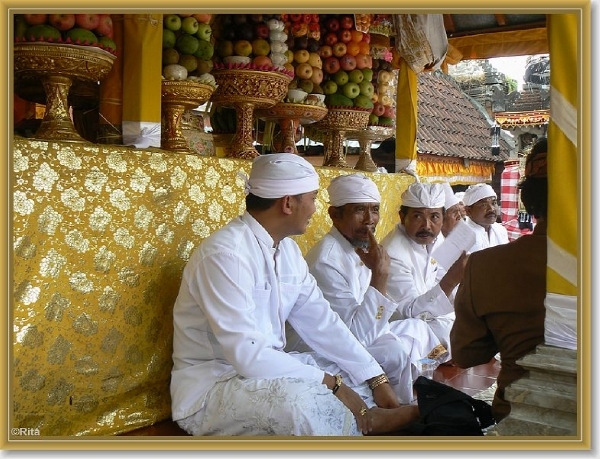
357, 35
352, 48
364, 47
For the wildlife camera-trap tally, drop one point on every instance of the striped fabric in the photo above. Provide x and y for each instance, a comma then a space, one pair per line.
509, 193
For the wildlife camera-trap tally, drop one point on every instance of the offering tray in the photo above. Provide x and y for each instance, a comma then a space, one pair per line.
365, 139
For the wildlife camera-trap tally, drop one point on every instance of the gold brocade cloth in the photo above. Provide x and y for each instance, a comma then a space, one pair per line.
100, 236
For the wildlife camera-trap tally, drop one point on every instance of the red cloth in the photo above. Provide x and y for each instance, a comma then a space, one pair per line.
512, 228
509, 193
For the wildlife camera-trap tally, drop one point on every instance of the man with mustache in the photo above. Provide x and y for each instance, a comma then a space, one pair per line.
352, 269
421, 287
481, 204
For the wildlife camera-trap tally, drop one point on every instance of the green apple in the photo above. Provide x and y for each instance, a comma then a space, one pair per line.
260, 47
373, 119
80, 35
168, 38
189, 25
204, 31
355, 76
189, 62
341, 77
351, 90
47, 32
366, 88
172, 22
187, 44
363, 101
170, 56
306, 86
329, 87
205, 50
367, 73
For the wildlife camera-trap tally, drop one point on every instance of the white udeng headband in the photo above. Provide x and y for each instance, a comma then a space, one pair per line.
429, 196
281, 174
477, 192
352, 188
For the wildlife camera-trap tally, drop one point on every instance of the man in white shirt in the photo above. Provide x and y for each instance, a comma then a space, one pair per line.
453, 210
231, 375
351, 269
481, 203
421, 288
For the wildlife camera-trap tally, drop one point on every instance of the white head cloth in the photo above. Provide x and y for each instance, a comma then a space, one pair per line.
451, 199
352, 188
476, 192
430, 196
460, 195
281, 174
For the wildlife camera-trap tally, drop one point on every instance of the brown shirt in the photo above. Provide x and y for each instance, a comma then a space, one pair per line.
500, 308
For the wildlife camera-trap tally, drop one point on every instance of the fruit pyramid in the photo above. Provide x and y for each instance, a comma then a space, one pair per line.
89, 29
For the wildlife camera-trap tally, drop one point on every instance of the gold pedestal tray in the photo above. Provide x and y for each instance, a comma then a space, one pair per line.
289, 116
58, 66
177, 96
365, 138
246, 90
334, 127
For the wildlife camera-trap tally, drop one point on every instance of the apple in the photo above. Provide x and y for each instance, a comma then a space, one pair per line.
172, 22
295, 17
289, 67
346, 21
315, 60
389, 111
187, 44
363, 101
373, 119
345, 36
87, 21
383, 76
330, 38
242, 48
339, 49
386, 100
189, 25
204, 31
188, 61
362, 61
168, 38
225, 48
35, 19
325, 51
367, 73
304, 71
348, 63
341, 78
374, 97
204, 66
205, 50
261, 47
356, 76
203, 18
62, 21
105, 26
301, 56
366, 88
262, 60
351, 90
289, 54
317, 75
366, 37
329, 87
332, 24
331, 65
306, 85
262, 30
170, 56
378, 109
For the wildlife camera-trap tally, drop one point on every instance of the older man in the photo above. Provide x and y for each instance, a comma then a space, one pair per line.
453, 209
352, 269
231, 375
481, 204
420, 287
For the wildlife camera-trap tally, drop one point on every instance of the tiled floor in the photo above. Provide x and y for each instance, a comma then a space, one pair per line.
471, 381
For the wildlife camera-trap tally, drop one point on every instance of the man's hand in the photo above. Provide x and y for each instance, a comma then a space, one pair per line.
454, 275
378, 261
355, 403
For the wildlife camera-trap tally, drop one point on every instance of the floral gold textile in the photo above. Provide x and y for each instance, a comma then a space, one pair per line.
99, 239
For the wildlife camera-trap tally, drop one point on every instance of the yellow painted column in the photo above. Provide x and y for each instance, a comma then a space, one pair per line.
563, 198
406, 119
142, 71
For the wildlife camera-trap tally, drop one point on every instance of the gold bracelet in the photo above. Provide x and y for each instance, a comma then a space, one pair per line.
338, 383
378, 381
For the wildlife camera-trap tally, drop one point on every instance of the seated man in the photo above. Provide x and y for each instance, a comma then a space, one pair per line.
231, 375
453, 210
481, 204
506, 313
415, 282
351, 269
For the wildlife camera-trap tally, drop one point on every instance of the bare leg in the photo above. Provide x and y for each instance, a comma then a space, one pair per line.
390, 420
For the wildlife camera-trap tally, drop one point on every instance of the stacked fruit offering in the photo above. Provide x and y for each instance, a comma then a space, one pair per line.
71, 29
384, 107
243, 42
188, 48
346, 63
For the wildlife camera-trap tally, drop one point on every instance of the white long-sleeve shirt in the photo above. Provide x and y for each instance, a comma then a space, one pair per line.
414, 277
496, 236
236, 294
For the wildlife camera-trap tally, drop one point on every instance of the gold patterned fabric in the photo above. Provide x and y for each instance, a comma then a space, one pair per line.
100, 236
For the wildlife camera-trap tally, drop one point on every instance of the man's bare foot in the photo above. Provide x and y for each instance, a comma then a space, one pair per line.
389, 420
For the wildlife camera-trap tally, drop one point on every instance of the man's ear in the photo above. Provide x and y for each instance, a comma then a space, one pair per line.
334, 213
468, 210
286, 205
402, 216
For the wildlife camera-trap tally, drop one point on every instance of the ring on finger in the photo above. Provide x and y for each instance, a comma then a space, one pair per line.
363, 411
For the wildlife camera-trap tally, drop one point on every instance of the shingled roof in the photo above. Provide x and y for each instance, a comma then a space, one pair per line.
452, 124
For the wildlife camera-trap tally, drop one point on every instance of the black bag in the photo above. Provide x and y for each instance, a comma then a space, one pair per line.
446, 411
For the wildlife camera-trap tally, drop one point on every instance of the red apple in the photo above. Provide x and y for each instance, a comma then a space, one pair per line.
339, 49
331, 65
307, 18
331, 38
105, 27
62, 21
378, 109
345, 36
362, 61
346, 21
262, 30
389, 111
366, 37
87, 21
35, 19
295, 17
203, 18
348, 62
315, 18
325, 51
333, 24
260, 61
